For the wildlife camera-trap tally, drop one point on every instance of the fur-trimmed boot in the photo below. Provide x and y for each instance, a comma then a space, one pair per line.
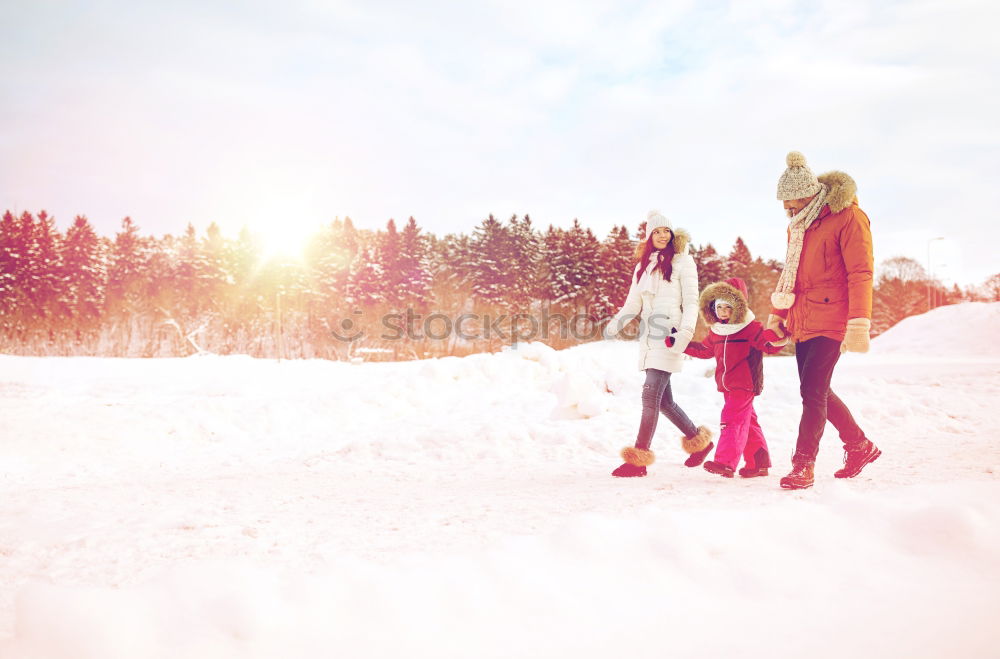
856, 459
800, 477
636, 460
698, 445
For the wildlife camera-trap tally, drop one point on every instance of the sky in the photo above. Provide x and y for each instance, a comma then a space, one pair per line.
283, 116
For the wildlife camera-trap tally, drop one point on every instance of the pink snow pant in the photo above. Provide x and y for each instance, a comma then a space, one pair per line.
741, 434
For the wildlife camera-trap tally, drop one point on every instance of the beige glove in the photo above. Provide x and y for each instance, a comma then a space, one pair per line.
857, 338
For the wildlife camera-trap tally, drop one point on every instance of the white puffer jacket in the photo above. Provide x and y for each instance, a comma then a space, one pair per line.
670, 308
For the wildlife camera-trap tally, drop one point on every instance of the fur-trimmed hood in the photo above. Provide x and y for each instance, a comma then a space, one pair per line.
843, 190
681, 241
726, 291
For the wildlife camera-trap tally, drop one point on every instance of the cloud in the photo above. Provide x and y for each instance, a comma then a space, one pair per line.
449, 111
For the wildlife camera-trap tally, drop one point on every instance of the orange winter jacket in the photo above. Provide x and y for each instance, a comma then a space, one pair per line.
834, 279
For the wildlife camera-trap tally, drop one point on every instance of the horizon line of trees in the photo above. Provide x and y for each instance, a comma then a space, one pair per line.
78, 293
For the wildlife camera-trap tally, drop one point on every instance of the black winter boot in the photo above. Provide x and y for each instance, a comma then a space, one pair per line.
761, 462
800, 477
856, 459
714, 467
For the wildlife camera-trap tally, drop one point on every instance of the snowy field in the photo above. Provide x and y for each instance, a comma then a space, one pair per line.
231, 507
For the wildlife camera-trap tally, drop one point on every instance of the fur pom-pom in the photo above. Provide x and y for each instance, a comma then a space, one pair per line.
697, 443
782, 300
795, 159
638, 457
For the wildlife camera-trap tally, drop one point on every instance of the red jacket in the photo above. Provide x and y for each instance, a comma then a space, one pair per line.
731, 352
834, 281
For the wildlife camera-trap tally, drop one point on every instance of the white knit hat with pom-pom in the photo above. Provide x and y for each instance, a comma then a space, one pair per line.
655, 220
798, 181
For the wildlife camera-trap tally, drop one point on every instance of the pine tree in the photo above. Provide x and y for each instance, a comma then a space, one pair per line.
240, 261
85, 271
377, 277
214, 277
523, 255
187, 270
126, 269
761, 280
738, 261
388, 252
348, 248
349, 237
11, 255
53, 287
451, 275
640, 232
489, 275
616, 264
573, 266
740, 253
366, 285
330, 256
710, 265
37, 274
549, 288
955, 295
414, 268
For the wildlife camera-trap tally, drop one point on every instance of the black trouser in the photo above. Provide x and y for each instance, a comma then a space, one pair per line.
816, 359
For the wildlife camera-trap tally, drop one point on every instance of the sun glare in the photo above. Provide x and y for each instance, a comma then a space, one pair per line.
283, 239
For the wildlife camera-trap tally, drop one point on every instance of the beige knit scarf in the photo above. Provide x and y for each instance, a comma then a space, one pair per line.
783, 297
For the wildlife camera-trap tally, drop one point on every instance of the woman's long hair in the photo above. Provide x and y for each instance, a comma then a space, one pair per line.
644, 253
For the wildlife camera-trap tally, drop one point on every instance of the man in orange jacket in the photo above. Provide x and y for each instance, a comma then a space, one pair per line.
823, 302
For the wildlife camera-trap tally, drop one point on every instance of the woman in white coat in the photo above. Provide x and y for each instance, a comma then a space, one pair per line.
664, 294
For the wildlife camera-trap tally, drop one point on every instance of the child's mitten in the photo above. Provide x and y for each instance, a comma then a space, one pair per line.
680, 340
776, 325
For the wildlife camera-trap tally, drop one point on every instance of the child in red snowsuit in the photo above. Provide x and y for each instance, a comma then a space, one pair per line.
737, 342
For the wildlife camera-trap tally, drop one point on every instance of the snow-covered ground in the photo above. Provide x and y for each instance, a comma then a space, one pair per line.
231, 507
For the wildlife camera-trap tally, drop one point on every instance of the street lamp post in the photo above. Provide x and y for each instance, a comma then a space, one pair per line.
940, 298
280, 338
929, 241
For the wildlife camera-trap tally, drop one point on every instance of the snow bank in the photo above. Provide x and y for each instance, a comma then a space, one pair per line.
898, 576
958, 330
451, 408
225, 506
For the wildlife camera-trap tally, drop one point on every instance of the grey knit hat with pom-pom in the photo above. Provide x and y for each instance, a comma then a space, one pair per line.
798, 181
